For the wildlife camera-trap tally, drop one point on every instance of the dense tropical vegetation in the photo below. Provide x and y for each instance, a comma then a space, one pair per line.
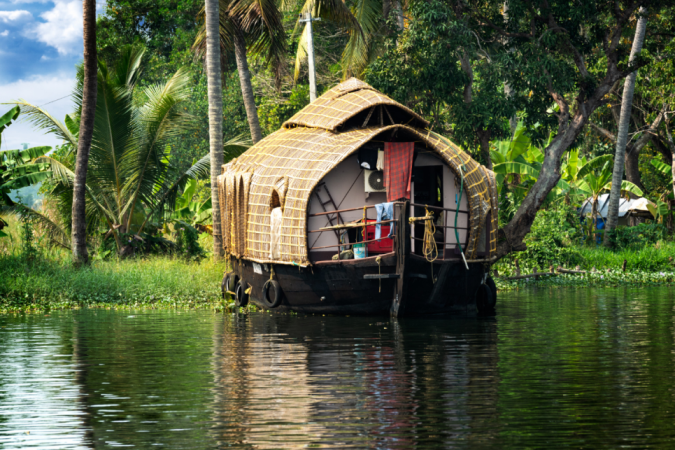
532, 89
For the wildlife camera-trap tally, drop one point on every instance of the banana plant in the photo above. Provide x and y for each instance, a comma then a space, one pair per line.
594, 183
16, 167
189, 208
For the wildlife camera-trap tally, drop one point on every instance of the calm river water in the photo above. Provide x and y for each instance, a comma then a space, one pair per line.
554, 369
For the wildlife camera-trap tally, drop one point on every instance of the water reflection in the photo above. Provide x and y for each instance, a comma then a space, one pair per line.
553, 369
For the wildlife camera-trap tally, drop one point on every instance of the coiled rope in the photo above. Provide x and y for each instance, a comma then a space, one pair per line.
430, 250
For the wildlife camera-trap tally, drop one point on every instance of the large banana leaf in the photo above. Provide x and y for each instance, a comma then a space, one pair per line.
6, 119
28, 179
627, 186
516, 167
662, 167
593, 165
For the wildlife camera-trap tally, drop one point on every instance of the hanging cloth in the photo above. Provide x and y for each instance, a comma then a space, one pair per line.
380, 160
398, 164
385, 211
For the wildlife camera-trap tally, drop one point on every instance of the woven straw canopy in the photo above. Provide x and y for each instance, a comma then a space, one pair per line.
284, 168
345, 101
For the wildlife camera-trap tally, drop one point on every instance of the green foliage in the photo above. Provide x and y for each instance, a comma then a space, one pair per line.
130, 178
28, 250
153, 282
187, 242
550, 242
17, 169
422, 69
274, 113
638, 236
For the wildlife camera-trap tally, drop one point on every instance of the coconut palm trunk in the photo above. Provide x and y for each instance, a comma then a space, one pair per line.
79, 225
246, 86
622, 133
215, 93
671, 146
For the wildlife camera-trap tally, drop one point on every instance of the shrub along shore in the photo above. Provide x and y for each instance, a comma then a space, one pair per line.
149, 282
155, 282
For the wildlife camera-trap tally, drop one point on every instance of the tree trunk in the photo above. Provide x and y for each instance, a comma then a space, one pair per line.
484, 140
215, 93
671, 146
622, 132
510, 237
632, 168
246, 86
79, 225
398, 10
386, 9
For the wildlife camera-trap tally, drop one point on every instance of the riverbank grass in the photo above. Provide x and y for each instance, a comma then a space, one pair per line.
153, 282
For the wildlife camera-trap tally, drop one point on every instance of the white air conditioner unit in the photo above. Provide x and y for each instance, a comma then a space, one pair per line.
374, 180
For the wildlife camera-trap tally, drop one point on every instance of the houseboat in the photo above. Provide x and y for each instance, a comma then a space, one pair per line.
355, 207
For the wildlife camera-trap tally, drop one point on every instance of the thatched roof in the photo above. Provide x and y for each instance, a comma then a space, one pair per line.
294, 159
346, 100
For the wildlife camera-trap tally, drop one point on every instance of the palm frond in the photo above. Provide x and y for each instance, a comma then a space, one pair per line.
357, 53
335, 11
236, 146
42, 120
301, 53
262, 23
167, 201
55, 233
226, 29
112, 122
127, 69
154, 123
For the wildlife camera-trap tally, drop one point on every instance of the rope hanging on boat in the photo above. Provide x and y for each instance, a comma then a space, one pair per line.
363, 231
378, 260
430, 249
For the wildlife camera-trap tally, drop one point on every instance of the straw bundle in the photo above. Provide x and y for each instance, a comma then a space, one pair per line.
286, 166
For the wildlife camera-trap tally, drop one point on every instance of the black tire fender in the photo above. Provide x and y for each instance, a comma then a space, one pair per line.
241, 297
231, 282
223, 285
493, 287
271, 299
484, 299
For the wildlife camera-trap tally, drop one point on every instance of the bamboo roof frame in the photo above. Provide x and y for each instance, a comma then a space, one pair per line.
289, 163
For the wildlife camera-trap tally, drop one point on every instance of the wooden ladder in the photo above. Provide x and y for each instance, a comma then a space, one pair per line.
334, 217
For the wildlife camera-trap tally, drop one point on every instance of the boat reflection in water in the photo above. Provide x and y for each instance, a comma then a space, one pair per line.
286, 382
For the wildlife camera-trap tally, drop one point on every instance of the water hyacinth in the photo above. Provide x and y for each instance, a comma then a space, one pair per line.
592, 279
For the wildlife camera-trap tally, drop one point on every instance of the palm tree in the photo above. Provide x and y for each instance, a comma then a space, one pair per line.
364, 21
130, 177
79, 228
624, 122
215, 90
254, 26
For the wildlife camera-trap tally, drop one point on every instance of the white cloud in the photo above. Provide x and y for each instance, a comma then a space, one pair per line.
38, 91
4, 33
62, 28
15, 16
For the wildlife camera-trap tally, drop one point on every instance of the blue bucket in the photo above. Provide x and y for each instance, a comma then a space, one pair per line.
359, 251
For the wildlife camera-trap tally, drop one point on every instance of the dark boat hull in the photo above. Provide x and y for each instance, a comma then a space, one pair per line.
340, 287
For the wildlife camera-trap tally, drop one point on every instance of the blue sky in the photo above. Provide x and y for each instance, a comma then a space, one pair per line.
40, 44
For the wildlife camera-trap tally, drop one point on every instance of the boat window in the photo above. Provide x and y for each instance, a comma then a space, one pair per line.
274, 200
